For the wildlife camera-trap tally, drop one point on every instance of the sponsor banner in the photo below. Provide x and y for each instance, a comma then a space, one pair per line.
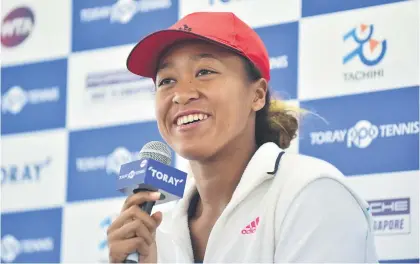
117, 22
33, 96
33, 236
85, 238
33, 170
365, 51
318, 7
30, 31
392, 216
394, 204
282, 43
102, 92
368, 134
96, 157
274, 12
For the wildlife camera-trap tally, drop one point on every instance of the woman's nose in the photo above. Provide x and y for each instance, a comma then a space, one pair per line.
185, 93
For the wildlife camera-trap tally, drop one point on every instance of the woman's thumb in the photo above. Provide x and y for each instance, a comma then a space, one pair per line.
158, 218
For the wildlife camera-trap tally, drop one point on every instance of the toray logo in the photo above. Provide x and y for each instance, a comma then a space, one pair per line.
122, 11
164, 177
15, 99
29, 172
130, 175
11, 248
369, 50
363, 133
17, 26
111, 163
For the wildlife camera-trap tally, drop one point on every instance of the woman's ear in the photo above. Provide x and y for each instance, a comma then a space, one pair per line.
259, 89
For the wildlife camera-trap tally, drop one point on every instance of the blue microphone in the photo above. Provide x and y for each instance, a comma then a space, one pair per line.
151, 173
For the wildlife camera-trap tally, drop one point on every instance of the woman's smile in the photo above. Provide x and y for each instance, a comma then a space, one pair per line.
190, 120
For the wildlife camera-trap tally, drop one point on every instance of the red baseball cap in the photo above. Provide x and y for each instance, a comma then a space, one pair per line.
221, 28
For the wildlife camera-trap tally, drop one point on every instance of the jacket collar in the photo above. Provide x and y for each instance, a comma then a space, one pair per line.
262, 166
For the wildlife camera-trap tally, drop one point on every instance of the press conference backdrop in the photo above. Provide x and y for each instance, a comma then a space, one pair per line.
72, 113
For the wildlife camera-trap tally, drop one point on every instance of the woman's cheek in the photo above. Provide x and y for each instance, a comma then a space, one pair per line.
161, 116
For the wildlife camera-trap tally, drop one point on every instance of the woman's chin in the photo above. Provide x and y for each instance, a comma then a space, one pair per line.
193, 152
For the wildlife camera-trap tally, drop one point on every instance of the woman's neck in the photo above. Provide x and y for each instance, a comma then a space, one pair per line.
218, 178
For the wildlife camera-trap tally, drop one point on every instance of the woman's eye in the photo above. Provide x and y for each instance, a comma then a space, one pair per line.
204, 72
165, 81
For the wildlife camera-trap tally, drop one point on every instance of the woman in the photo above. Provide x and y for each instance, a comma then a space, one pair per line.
248, 200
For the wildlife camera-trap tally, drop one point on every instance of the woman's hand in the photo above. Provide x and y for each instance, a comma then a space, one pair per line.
134, 230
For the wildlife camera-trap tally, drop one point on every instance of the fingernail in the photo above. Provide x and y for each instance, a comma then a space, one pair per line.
162, 196
155, 195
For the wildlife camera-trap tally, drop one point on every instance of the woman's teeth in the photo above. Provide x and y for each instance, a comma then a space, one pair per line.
190, 118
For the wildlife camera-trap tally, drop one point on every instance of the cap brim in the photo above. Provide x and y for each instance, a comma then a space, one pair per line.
144, 57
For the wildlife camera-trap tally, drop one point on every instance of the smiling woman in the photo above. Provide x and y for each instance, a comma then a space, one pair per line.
249, 200
198, 78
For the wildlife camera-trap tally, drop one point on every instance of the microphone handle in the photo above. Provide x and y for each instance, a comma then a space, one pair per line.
147, 207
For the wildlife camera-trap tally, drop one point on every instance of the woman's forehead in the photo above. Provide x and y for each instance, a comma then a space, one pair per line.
194, 50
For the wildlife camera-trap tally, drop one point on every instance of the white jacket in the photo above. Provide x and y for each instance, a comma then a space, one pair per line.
302, 213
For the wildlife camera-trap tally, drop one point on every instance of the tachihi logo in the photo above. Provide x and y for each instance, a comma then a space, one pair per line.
369, 50
364, 133
17, 26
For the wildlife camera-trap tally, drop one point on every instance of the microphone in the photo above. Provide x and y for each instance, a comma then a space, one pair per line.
152, 172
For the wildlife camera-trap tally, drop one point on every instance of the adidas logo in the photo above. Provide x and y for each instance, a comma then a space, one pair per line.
252, 227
